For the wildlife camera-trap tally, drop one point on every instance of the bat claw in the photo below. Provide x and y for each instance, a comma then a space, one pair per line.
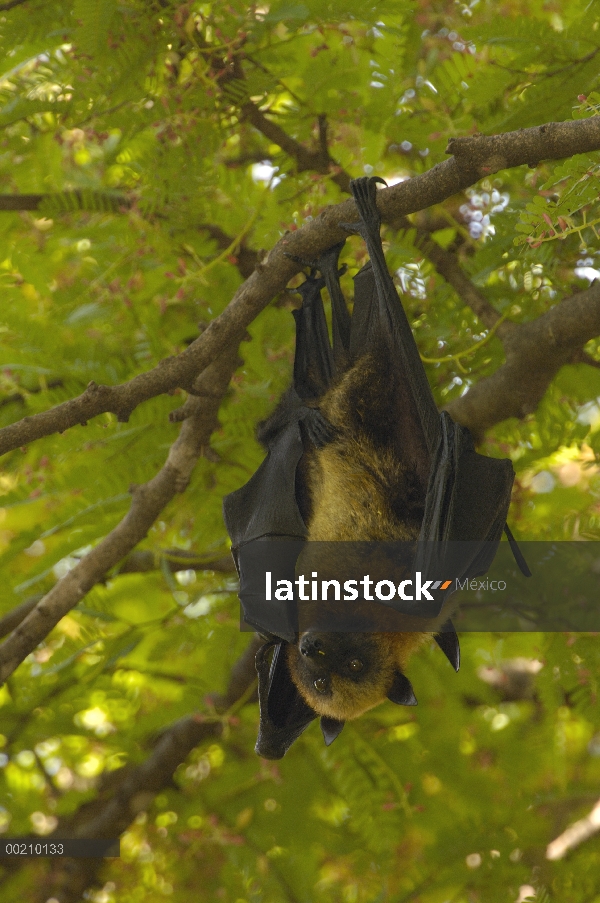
326, 261
331, 728
401, 692
310, 284
364, 192
447, 640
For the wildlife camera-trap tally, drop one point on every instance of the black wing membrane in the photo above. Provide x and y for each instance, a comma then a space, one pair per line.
468, 494
341, 324
267, 507
313, 361
387, 320
283, 712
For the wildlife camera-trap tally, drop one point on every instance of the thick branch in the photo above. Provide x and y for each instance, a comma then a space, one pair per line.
535, 352
147, 503
487, 155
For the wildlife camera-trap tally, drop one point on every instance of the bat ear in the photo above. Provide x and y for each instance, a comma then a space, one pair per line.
283, 712
402, 692
331, 728
447, 640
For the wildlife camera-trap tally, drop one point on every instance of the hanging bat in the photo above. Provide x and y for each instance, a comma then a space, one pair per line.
357, 451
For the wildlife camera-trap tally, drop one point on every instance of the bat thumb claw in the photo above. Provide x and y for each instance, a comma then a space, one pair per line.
401, 692
447, 640
331, 729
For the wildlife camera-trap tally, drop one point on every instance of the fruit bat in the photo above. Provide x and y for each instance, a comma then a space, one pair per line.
357, 451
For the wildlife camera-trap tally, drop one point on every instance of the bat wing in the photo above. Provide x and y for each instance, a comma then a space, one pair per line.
266, 507
468, 494
386, 319
313, 359
283, 712
465, 509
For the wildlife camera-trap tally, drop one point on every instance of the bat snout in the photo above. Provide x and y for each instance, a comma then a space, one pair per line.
312, 644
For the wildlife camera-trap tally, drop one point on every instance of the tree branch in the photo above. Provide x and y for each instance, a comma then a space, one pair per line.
575, 834
476, 157
65, 201
246, 257
11, 620
147, 503
317, 160
141, 561
4, 7
447, 265
20, 397
535, 352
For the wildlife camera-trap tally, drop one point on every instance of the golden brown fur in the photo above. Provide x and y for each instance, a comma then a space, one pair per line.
362, 487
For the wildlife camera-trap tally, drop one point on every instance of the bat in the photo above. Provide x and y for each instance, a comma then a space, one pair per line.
358, 452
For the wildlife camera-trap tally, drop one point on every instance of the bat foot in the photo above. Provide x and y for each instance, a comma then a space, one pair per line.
319, 430
311, 284
354, 229
364, 191
326, 263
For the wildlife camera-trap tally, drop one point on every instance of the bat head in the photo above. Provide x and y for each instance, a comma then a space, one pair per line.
343, 675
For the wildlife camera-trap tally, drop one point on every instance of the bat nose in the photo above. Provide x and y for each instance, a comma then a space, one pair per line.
311, 645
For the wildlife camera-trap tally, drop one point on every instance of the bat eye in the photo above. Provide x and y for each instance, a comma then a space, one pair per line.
355, 665
320, 684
